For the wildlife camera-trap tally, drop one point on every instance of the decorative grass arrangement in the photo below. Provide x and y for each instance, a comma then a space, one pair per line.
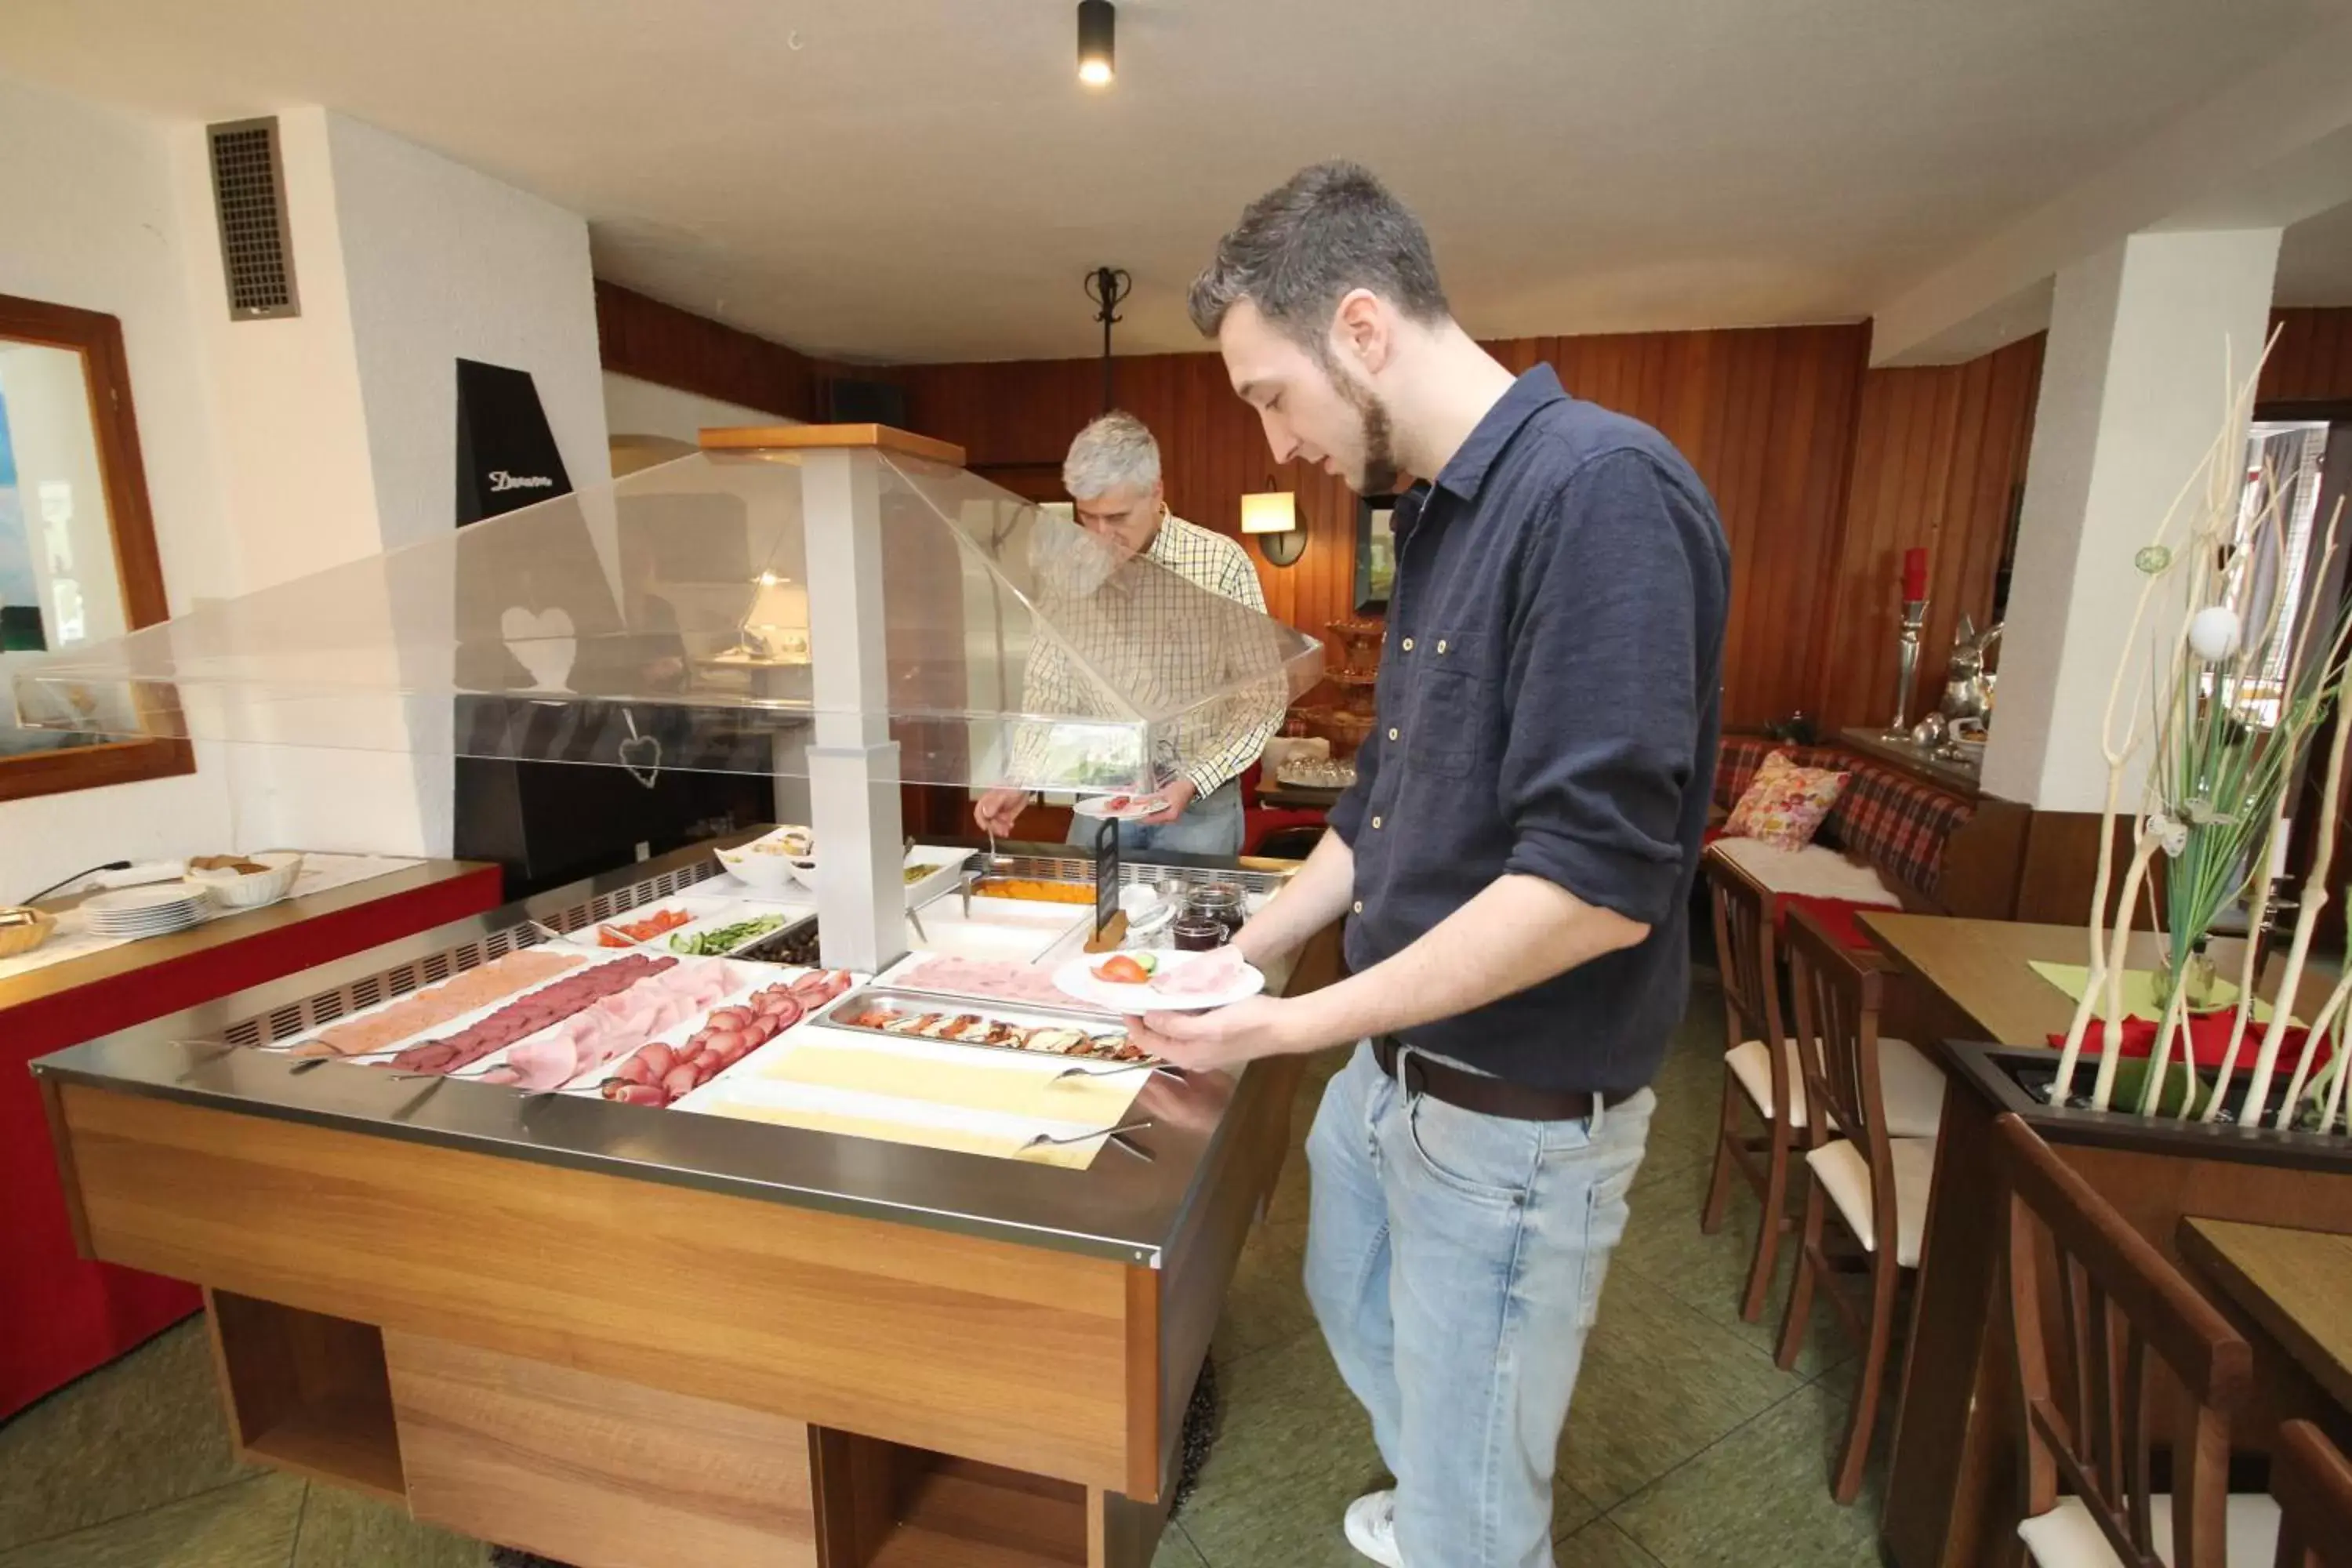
2228, 732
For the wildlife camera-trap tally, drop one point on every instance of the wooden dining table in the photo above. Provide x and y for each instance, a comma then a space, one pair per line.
2295, 1284
1979, 982
1966, 992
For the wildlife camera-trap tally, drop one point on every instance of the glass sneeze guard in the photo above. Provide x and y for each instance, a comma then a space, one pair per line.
662, 620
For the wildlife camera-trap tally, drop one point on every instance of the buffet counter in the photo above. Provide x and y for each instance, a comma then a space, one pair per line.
65, 1315
620, 1333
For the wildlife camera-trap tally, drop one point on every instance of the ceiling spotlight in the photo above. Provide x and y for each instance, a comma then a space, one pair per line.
1098, 20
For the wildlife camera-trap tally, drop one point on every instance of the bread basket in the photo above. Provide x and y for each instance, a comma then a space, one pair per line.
251, 889
20, 934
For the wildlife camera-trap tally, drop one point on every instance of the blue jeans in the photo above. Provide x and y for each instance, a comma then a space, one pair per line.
1454, 1261
1210, 826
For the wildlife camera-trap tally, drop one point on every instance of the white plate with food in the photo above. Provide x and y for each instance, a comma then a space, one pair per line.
1160, 982
1120, 807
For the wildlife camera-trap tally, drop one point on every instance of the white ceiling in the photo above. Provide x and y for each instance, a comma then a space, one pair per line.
925, 179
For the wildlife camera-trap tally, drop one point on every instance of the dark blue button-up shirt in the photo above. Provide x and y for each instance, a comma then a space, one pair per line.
1548, 705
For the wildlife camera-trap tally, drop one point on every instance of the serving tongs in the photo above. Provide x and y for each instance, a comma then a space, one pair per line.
1116, 1136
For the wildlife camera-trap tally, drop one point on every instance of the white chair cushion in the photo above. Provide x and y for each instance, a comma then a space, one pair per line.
1843, 1172
1753, 1069
2067, 1537
1911, 1086
1816, 871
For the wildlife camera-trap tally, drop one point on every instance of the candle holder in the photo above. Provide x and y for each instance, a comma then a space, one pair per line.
1906, 659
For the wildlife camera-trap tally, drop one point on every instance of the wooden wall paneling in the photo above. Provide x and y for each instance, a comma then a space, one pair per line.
1823, 473
1767, 417
1938, 453
2311, 361
642, 337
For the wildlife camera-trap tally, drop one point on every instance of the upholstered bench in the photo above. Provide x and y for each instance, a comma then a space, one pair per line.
1887, 843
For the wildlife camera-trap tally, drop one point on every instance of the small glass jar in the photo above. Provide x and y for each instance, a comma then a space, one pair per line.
1199, 933
1219, 901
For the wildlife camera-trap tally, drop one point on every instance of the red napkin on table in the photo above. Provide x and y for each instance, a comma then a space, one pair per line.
2209, 1040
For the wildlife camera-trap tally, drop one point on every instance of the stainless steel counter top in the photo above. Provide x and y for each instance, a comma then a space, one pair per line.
1121, 1206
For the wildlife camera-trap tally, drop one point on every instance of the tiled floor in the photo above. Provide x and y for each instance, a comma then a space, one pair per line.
1688, 1446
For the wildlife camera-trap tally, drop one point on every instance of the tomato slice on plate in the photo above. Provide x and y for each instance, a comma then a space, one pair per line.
1119, 969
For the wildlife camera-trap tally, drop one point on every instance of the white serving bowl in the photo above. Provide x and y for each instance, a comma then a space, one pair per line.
768, 873
251, 889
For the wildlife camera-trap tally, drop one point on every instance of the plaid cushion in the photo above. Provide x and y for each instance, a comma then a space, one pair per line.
1899, 822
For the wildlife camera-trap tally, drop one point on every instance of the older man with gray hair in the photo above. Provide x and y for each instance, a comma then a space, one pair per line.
1112, 473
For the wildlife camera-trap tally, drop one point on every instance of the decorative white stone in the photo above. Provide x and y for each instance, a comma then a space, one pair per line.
2213, 632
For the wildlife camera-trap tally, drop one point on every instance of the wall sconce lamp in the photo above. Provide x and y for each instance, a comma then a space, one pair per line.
1273, 516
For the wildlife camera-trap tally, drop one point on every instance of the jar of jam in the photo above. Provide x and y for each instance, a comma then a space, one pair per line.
1219, 901
1198, 933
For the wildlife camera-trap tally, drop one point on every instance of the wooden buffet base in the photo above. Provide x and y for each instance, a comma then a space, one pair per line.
630, 1373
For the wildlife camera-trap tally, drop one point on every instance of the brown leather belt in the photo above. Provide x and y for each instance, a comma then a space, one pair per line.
1473, 1091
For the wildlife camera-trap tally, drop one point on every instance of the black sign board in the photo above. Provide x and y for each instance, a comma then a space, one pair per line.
506, 453
1106, 875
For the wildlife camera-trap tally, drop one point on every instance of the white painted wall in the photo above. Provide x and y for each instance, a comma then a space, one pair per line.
88, 218
298, 477
635, 408
444, 263
279, 449
2132, 396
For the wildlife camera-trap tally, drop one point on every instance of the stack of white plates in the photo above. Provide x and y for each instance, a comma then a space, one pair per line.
145, 912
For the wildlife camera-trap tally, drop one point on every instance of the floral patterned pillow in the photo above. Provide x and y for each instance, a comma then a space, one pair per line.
1785, 803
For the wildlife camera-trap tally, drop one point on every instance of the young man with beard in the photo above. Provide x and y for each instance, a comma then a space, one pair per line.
1514, 861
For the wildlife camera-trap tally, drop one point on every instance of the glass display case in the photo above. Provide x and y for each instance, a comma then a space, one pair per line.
711, 613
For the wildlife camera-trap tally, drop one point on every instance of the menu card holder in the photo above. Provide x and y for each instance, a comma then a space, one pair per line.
1106, 910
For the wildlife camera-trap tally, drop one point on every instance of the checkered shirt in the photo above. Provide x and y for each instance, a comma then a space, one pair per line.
1150, 637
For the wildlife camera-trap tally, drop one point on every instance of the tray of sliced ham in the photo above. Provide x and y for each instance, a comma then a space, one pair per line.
613, 1025
985, 979
662, 1071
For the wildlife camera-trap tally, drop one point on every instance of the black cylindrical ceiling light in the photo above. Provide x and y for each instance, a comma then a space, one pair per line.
1097, 24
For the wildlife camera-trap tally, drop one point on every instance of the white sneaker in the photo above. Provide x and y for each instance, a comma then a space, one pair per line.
1372, 1528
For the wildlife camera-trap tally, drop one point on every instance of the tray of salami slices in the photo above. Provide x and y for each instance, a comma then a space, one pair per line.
641, 1026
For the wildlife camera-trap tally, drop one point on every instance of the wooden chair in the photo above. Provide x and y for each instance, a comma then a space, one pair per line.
1759, 1076
2088, 1414
1873, 1183
2313, 1486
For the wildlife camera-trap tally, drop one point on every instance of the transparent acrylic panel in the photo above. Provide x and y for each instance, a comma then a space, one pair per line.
663, 620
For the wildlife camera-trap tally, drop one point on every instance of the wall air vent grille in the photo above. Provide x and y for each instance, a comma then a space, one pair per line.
249, 197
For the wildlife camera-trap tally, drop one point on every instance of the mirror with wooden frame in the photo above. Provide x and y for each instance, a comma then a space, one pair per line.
78, 558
